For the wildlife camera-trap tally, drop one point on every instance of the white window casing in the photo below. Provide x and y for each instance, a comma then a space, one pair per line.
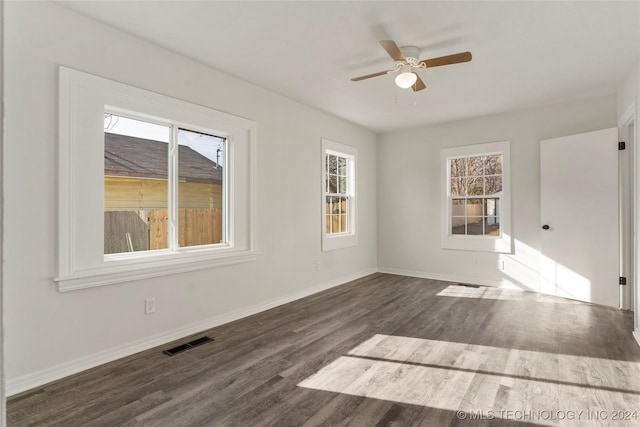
81, 260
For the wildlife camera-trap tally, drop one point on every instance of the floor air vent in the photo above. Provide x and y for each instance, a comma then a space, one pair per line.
183, 347
466, 285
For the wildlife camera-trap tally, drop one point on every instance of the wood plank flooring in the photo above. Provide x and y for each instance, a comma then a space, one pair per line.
384, 350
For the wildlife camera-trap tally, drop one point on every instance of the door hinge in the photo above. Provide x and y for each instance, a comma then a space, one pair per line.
623, 281
621, 145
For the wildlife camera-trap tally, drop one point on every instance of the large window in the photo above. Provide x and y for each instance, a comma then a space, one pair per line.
338, 195
149, 185
475, 197
140, 202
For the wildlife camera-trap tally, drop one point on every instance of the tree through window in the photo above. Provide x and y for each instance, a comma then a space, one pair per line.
476, 197
475, 191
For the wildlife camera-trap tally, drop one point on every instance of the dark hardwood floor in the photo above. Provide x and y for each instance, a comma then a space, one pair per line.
384, 350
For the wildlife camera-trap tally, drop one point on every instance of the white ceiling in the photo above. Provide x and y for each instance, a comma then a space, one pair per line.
525, 54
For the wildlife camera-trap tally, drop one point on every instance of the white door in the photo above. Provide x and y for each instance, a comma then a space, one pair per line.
579, 230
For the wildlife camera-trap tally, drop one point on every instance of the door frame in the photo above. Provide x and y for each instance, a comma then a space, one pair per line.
627, 209
628, 131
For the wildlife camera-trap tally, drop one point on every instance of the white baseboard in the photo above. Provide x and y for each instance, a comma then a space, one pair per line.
636, 335
444, 277
44, 376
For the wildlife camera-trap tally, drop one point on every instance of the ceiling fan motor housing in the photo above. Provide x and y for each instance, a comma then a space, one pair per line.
411, 54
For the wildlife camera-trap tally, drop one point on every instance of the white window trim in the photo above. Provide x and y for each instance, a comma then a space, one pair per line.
340, 240
498, 244
81, 259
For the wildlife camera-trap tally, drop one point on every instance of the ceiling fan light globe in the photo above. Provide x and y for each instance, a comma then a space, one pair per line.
406, 80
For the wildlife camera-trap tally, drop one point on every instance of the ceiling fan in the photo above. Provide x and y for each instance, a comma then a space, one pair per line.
406, 60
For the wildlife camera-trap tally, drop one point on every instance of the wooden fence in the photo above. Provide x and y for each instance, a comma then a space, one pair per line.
336, 217
471, 210
149, 229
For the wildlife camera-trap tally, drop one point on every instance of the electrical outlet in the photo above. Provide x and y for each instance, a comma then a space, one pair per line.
150, 305
318, 266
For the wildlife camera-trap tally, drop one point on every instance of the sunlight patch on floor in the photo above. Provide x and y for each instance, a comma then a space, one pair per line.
485, 292
458, 376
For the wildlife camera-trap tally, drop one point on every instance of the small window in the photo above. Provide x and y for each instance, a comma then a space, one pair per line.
338, 195
476, 199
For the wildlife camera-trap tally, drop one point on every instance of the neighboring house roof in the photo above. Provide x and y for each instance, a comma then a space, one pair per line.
144, 158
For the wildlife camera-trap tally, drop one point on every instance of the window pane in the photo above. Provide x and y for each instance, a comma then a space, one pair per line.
475, 166
328, 208
457, 216
342, 166
458, 226
135, 185
493, 165
474, 207
458, 187
332, 167
326, 173
474, 186
475, 226
492, 185
200, 188
492, 207
342, 184
492, 226
458, 167
344, 220
332, 170
458, 207
333, 184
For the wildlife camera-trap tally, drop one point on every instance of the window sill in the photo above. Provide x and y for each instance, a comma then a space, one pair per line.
339, 241
162, 264
478, 243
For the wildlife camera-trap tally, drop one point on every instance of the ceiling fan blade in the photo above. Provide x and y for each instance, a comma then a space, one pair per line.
392, 49
447, 60
419, 84
368, 76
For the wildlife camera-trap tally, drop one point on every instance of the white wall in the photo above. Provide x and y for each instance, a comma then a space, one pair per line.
50, 334
629, 89
409, 192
